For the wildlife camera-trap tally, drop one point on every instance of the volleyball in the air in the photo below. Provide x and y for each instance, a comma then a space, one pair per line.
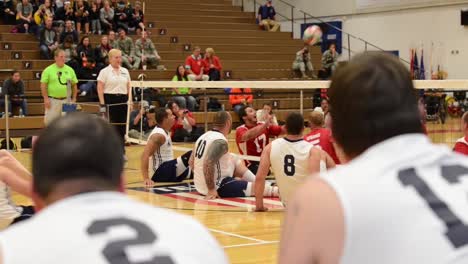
312, 35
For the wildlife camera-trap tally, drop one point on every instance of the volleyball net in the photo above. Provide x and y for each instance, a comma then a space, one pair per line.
445, 101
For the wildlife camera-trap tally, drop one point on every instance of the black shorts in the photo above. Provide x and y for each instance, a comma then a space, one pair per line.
28, 211
231, 187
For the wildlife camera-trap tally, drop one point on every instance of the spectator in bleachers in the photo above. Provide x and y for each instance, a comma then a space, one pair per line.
240, 97
24, 17
70, 52
14, 87
44, 11
48, 40
125, 44
112, 38
213, 65
81, 9
145, 114
137, 19
106, 14
266, 17
99, 4
185, 126
330, 59
64, 13
121, 16
195, 66
9, 12
69, 31
101, 52
266, 111
84, 51
114, 4
182, 94
89, 72
146, 52
94, 18
303, 63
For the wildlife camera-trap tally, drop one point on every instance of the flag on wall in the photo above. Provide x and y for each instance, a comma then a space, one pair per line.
412, 63
422, 71
415, 66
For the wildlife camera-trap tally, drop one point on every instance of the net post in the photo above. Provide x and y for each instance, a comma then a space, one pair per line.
205, 106
302, 101
7, 122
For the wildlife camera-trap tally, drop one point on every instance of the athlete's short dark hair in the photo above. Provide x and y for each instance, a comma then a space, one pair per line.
161, 114
294, 123
77, 147
372, 99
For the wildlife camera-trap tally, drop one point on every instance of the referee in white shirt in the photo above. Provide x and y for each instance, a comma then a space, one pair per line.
113, 88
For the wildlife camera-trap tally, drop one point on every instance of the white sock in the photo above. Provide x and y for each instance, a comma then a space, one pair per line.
248, 176
180, 167
271, 191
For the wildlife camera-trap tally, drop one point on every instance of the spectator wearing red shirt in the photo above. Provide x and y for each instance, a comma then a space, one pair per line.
213, 65
320, 136
195, 65
461, 146
252, 136
185, 126
240, 97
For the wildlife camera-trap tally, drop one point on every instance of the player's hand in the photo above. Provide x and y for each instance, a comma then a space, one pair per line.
212, 194
47, 103
148, 183
261, 209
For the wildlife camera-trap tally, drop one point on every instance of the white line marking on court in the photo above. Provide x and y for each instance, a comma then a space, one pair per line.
252, 244
267, 201
221, 201
236, 235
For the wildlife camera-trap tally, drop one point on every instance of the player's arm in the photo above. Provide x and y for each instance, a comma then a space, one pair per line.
314, 160
154, 143
191, 161
100, 91
260, 178
313, 231
328, 160
217, 149
45, 96
249, 134
11, 174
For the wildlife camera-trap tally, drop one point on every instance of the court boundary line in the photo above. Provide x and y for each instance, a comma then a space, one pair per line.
252, 244
236, 235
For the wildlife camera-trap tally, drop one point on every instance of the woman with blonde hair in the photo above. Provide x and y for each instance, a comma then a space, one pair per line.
213, 64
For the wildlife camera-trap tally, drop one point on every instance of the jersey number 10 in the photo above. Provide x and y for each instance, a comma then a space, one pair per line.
457, 231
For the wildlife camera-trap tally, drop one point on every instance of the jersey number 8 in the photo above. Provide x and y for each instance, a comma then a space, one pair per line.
289, 167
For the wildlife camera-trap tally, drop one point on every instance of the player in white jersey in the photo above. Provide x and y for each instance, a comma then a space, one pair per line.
84, 217
292, 161
399, 199
159, 148
13, 176
217, 172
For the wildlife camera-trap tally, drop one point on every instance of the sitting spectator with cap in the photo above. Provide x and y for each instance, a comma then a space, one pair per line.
240, 97
125, 44
142, 121
195, 66
146, 52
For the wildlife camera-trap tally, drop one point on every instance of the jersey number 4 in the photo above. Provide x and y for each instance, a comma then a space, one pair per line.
114, 251
457, 231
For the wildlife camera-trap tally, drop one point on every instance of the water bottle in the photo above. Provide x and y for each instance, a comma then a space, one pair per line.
21, 112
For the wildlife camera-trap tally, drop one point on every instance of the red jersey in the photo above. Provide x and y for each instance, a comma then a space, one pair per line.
195, 64
461, 146
322, 137
255, 146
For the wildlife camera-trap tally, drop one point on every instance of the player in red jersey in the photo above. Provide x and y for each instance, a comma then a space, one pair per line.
461, 146
320, 136
253, 136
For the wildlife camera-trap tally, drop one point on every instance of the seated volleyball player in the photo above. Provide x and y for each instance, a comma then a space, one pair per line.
320, 135
217, 172
292, 161
253, 136
13, 176
159, 147
83, 215
399, 199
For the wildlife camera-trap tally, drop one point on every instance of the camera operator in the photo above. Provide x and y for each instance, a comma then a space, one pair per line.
145, 115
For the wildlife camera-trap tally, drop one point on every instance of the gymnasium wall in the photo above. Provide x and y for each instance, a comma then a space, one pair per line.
399, 30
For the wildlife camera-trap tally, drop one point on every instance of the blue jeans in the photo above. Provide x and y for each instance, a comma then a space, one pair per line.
23, 104
186, 101
89, 87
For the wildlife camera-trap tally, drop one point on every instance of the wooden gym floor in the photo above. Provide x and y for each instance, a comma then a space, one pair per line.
246, 236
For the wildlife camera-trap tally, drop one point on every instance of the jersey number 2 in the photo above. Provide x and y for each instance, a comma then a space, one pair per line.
457, 231
114, 251
289, 167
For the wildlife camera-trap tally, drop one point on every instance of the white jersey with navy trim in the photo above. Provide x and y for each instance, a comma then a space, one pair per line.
108, 227
404, 201
289, 164
165, 152
224, 167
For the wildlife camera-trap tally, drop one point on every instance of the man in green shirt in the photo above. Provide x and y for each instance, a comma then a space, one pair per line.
125, 44
54, 86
